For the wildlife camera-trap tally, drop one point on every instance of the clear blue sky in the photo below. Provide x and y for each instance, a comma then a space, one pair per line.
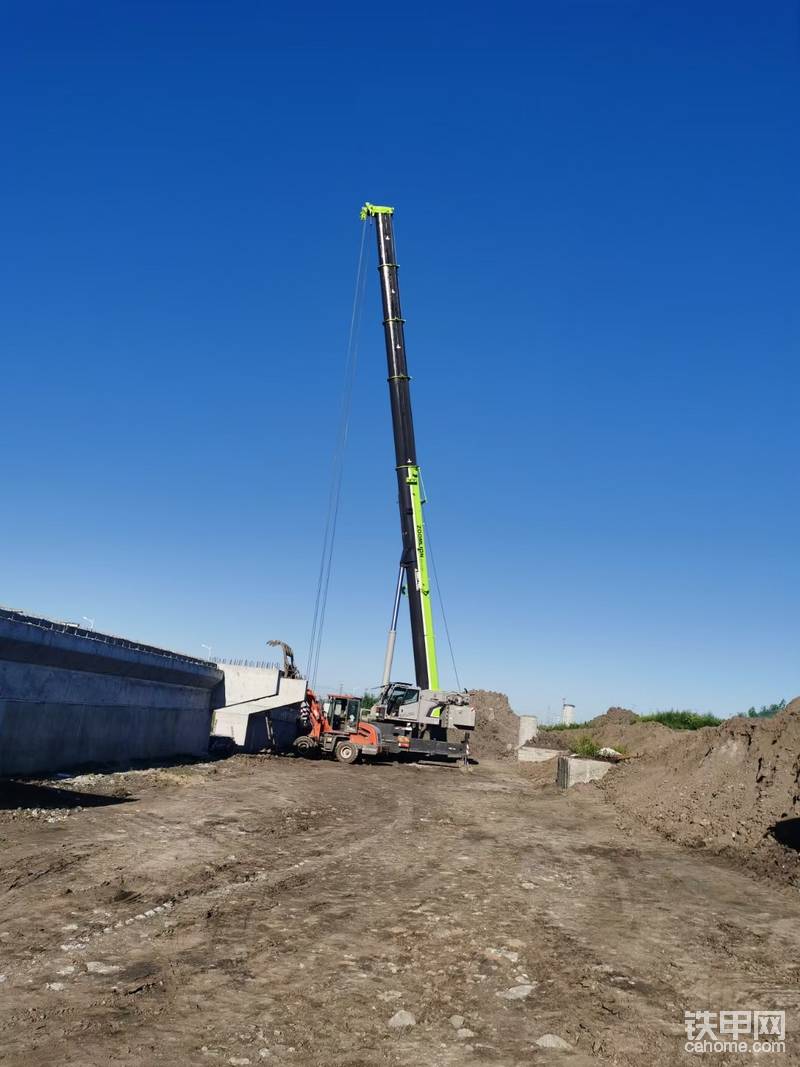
598, 227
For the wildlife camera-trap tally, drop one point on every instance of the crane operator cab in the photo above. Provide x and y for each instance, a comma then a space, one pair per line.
424, 712
397, 696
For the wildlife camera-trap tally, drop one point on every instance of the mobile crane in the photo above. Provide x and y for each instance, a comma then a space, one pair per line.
407, 718
416, 716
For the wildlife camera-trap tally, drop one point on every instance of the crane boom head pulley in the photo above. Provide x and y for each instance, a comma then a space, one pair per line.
369, 211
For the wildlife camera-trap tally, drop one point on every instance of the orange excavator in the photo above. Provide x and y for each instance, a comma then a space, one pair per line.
335, 728
332, 728
405, 721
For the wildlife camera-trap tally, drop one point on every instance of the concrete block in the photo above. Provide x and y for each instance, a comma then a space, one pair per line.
538, 755
242, 683
70, 696
574, 770
528, 729
265, 721
48, 736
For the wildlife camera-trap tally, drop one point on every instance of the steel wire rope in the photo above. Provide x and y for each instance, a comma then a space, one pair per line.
337, 468
438, 588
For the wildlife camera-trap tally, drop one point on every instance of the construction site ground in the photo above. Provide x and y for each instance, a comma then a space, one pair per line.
268, 910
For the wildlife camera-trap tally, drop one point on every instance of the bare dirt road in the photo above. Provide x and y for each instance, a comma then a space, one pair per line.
274, 911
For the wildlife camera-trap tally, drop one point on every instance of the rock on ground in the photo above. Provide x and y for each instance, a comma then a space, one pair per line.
552, 1041
518, 992
401, 1019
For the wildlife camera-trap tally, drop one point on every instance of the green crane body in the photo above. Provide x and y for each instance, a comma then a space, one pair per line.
414, 559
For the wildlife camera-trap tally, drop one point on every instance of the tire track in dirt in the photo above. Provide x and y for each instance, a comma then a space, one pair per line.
187, 906
426, 891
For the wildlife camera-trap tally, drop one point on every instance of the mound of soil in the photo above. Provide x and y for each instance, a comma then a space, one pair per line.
635, 739
618, 729
555, 739
725, 788
496, 725
618, 716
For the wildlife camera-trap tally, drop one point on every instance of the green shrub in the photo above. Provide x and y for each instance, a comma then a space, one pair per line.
682, 720
584, 746
563, 726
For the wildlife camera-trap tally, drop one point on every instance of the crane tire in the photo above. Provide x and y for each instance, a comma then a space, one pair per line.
347, 752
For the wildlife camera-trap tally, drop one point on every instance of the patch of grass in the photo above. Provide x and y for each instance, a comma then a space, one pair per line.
682, 720
674, 719
584, 746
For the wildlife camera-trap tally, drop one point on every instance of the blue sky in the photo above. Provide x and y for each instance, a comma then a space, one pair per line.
597, 223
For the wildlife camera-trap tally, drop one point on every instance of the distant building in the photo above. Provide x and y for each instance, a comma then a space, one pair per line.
567, 714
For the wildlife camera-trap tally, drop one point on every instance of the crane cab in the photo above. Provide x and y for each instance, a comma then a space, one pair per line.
394, 698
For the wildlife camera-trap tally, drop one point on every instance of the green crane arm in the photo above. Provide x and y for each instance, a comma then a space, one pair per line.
414, 558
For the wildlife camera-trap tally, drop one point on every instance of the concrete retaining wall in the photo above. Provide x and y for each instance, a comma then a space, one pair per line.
70, 696
41, 683
248, 683
268, 717
574, 770
529, 754
48, 736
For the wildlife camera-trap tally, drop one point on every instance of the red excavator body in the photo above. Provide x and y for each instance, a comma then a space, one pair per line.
335, 728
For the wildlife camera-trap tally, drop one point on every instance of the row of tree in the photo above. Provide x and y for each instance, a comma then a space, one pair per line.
766, 711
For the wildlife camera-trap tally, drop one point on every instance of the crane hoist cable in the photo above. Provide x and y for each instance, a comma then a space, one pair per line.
337, 467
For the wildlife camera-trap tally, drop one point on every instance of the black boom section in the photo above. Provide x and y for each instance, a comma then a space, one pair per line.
405, 448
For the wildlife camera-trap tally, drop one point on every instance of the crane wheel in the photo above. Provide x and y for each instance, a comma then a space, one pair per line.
346, 752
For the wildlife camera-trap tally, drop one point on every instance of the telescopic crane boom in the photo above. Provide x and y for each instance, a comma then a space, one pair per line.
414, 559
407, 720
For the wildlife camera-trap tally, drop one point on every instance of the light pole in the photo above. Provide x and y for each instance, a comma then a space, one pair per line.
209, 649
90, 621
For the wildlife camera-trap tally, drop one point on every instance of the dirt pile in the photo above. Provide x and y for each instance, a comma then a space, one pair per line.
496, 725
617, 716
634, 739
723, 788
617, 728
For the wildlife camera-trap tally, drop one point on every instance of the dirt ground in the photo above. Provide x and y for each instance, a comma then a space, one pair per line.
273, 911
